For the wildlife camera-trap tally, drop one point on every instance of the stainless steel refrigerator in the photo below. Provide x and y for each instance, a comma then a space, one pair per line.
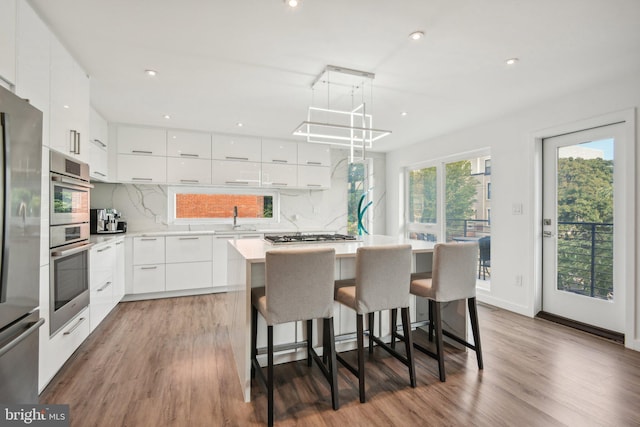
20, 181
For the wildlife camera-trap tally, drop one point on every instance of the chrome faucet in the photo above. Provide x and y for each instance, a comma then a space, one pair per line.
235, 217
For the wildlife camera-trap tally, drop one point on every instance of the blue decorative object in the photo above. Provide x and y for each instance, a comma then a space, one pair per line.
361, 211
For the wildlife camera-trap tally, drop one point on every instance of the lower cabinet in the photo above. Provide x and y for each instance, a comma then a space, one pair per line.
106, 282
148, 278
188, 275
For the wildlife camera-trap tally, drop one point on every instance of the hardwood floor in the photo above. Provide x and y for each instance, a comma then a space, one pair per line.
169, 363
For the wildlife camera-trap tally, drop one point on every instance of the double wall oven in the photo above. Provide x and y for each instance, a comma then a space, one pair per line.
69, 239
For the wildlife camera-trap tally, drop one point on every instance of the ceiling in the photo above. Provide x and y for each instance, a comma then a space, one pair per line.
253, 61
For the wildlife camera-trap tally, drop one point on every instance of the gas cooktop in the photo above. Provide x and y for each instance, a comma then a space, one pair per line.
308, 238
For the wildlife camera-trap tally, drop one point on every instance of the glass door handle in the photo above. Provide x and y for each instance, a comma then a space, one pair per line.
547, 234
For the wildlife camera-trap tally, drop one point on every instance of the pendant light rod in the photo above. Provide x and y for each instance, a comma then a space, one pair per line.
342, 70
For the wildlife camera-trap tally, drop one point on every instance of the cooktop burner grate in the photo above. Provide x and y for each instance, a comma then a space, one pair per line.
308, 238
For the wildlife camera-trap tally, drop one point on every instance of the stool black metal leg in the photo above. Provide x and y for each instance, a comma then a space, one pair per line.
254, 338
270, 375
333, 363
371, 328
473, 314
394, 321
437, 318
309, 341
431, 308
408, 344
360, 332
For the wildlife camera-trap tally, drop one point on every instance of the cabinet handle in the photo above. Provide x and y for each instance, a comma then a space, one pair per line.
119, 243
149, 268
141, 152
280, 184
100, 142
99, 173
106, 285
74, 327
279, 161
237, 182
250, 237
314, 185
72, 141
189, 155
235, 158
78, 144
141, 179
104, 249
148, 239
188, 238
190, 181
314, 163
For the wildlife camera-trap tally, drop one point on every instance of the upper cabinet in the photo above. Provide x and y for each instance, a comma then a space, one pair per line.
8, 40
280, 152
69, 127
33, 59
98, 147
189, 145
314, 154
237, 148
141, 140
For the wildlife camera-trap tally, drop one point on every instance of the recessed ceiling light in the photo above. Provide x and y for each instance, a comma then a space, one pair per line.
511, 61
292, 3
404, 113
416, 35
239, 124
151, 73
65, 107
166, 116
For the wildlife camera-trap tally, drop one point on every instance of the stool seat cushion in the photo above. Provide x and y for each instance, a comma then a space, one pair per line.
423, 288
346, 295
259, 300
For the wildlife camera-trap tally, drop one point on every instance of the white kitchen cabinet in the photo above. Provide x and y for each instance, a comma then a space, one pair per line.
314, 177
101, 281
186, 144
141, 141
33, 63
188, 249
148, 250
119, 275
188, 171
314, 154
237, 173
148, 278
188, 275
279, 175
282, 152
98, 147
220, 253
238, 148
8, 40
69, 126
142, 169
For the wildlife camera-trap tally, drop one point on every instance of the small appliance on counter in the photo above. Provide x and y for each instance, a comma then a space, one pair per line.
107, 221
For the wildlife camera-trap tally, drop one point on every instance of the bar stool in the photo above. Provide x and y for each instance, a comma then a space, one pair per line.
299, 285
382, 283
453, 278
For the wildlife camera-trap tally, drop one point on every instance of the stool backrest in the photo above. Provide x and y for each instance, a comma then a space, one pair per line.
383, 277
454, 271
299, 284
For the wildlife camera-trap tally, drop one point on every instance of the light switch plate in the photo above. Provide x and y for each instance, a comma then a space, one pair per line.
516, 209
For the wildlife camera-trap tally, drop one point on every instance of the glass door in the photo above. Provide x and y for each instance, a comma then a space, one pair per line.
580, 228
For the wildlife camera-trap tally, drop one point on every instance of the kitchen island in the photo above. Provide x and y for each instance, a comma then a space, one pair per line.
246, 261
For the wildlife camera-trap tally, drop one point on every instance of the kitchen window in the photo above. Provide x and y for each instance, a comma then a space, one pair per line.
188, 205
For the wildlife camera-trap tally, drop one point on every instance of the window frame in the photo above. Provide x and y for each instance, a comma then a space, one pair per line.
171, 205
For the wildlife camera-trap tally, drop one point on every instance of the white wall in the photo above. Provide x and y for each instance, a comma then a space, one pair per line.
300, 209
514, 179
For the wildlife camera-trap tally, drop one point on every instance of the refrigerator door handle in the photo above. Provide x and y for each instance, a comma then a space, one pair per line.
31, 329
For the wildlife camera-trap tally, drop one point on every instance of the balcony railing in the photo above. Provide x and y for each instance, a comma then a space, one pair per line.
585, 258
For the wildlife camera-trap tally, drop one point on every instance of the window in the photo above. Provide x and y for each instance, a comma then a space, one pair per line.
488, 191
359, 194
487, 167
214, 205
422, 211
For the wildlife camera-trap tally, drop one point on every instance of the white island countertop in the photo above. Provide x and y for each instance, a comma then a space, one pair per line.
253, 250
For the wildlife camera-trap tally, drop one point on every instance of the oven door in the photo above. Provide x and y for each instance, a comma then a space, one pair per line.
69, 283
69, 200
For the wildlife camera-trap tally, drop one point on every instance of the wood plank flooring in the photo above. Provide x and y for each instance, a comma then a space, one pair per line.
169, 363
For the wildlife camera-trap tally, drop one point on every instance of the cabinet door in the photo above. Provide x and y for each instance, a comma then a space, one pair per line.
188, 275
148, 250
118, 278
98, 146
314, 177
276, 175
314, 154
8, 40
220, 260
142, 169
194, 145
188, 171
241, 148
279, 152
33, 63
62, 134
139, 140
148, 278
235, 173
188, 249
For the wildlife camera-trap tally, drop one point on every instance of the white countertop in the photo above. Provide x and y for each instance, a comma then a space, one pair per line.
99, 239
225, 232
253, 250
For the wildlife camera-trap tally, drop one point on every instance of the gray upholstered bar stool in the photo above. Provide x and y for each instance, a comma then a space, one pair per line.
299, 285
453, 278
383, 276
